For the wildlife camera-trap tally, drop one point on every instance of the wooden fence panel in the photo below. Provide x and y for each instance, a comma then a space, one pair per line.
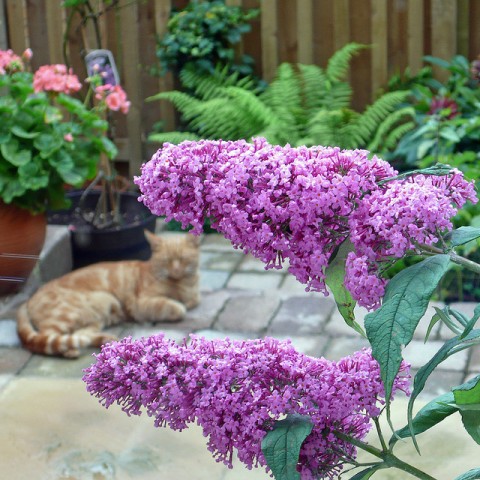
400, 33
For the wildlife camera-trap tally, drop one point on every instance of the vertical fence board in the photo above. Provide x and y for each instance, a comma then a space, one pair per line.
361, 64
415, 46
379, 46
444, 36
474, 30
55, 29
37, 32
463, 27
341, 23
323, 33
269, 39
18, 36
166, 110
3, 27
130, 55
305, 31
287, 31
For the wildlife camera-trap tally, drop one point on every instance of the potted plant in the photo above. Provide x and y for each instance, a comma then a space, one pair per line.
48, 139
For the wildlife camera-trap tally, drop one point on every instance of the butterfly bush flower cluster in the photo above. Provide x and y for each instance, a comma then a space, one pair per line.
236, 390
279, 202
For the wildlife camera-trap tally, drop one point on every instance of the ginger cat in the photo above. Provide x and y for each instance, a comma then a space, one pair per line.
69, 313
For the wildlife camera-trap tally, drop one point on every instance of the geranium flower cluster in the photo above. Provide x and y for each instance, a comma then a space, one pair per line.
114, 97
10, 62
56, 78
236, 390
302, 203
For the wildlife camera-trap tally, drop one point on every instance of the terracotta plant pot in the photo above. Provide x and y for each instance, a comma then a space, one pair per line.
22, 236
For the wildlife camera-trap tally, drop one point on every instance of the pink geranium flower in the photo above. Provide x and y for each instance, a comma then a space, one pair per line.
56, 78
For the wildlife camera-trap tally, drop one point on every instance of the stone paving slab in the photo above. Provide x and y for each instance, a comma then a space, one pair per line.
301, 316
255, 281
248, 314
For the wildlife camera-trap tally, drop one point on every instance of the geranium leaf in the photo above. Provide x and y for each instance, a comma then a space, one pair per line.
12, 153
391, 327
281, 446
335, 277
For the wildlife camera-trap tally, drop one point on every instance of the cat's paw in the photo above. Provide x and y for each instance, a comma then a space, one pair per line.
103, 338
174, 311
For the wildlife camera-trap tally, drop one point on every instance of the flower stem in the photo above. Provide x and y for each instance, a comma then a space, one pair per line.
389, 459
458, 259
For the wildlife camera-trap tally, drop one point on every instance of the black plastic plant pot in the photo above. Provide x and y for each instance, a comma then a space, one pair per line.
124, 241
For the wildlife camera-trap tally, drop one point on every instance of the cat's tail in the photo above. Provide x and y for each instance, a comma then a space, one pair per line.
52, 343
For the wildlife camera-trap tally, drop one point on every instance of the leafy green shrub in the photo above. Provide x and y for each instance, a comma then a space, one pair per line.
446, 117
304, 105
203, 35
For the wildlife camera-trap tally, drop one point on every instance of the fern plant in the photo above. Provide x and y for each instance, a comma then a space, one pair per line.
303, 105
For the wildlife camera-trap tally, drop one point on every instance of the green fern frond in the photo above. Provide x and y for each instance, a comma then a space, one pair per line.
377, 112
339, 96
185, 103
225, 118
333, 128
314, 87
339, 63
207, 86
260, 114
392, 129
284, 96
172, 137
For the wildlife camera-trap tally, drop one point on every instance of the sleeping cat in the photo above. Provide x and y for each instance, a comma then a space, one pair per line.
69, 313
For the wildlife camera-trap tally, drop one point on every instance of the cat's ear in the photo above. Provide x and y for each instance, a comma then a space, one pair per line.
152, 239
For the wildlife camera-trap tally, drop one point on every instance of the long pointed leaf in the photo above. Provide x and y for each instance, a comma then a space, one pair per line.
464, 235
427, 417
391, 327
467, 398
473, 474
367, 473
447, 349
335, 277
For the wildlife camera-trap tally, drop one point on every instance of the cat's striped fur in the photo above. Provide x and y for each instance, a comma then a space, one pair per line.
69, 313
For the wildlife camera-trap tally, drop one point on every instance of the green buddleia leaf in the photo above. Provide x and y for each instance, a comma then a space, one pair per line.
430, 415
368, 473
448, 348
463, 235
12, 153
335, 277
467, 399
281, 446
473, 474
391, 327
439, 170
